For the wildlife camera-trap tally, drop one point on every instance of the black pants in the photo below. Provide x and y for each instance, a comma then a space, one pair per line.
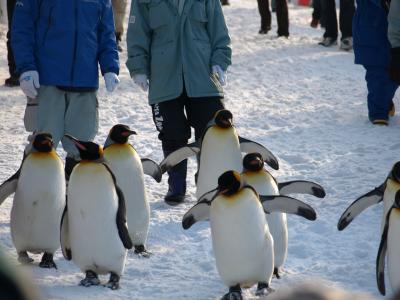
10, 55
174, 119
346, 13
282, 16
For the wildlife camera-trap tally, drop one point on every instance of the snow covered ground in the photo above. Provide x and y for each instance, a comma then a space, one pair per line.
307, 104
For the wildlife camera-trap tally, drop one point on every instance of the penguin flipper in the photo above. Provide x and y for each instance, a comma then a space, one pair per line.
150, 167
9, 186
288, 205
248, 146
301, 187
64, 235
199, 212
177, 156
359, 205
380, 259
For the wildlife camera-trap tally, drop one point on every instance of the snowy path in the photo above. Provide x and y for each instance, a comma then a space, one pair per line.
306, 104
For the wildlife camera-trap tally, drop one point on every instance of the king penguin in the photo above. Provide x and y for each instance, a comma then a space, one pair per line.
265, 184
93, 228
39, 200
390, 247
242, 243
128, 169
218, 150
385, 192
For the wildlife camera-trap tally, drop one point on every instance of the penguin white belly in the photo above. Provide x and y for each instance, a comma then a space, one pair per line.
264, 184
92, 211
38, 204
393, 250
241, 240
388, 199
126, 165
220, 152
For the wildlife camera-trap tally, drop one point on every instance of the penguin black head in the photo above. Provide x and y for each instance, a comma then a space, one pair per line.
253, 162
43, 142
120, 133
229, 183
396, 171
223, 118
87, 150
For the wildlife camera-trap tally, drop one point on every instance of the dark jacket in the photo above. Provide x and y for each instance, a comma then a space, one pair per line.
370, 43
65, 40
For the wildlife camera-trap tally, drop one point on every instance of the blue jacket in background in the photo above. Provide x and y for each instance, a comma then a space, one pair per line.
65, 40
370, 42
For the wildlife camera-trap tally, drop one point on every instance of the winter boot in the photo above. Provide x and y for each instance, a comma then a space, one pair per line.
176, 183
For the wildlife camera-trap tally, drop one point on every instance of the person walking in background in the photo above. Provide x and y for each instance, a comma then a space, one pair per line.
331, 24
180, 53
372, 50
119, 10
13, 80
57, 49
282, 17
394, 38
317, 14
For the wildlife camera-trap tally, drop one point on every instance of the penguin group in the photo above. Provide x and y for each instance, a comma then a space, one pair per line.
246, 206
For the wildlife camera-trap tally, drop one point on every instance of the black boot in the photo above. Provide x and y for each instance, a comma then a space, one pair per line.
70, 163
176, 183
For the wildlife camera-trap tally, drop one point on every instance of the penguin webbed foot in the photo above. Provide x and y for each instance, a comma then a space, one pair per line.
276, 273
24, 258
141, 251
113, 283
235, 293
90, 279
47, 261
263, 289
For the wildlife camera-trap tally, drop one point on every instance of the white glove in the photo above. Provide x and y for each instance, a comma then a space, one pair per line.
141, 80
111, 80
29, 83
220, 74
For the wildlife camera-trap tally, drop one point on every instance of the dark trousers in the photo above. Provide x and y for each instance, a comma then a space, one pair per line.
282, 16
346, 13
381, 90
317, 9
10, 55
174, 119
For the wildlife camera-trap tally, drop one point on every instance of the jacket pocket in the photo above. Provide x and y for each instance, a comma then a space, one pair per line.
198, 12
159, 14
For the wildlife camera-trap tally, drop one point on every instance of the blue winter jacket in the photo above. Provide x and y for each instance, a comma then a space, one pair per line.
370, 42
65, 40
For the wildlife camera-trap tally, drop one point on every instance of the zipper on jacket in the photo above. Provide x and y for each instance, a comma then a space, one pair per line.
48, 25
75, 41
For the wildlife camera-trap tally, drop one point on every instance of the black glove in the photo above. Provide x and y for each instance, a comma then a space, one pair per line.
394, 68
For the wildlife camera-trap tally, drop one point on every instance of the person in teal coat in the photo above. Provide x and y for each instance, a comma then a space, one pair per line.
179, 50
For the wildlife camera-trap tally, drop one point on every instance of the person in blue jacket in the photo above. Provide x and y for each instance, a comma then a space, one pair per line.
179, 50
372, 50
58, 46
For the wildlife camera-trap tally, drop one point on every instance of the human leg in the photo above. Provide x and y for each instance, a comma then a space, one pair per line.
119, 10
174, 132
13, 80
265, 14
331, 26
282, 17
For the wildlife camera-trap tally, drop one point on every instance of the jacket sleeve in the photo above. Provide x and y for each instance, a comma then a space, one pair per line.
108, 53
138, 39
394, 24
219, 37
23, 35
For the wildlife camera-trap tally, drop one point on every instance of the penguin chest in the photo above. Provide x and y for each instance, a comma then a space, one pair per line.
126, 165
220, 152
393, 250
242, 244
38, 203
92, 211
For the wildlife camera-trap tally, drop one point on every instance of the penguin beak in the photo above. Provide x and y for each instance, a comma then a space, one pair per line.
128, 133
76, 142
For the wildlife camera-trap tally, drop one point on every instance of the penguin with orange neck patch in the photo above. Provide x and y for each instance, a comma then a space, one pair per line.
94, 233
220, 149
39, 200
264, 183
242, 243
129, 171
